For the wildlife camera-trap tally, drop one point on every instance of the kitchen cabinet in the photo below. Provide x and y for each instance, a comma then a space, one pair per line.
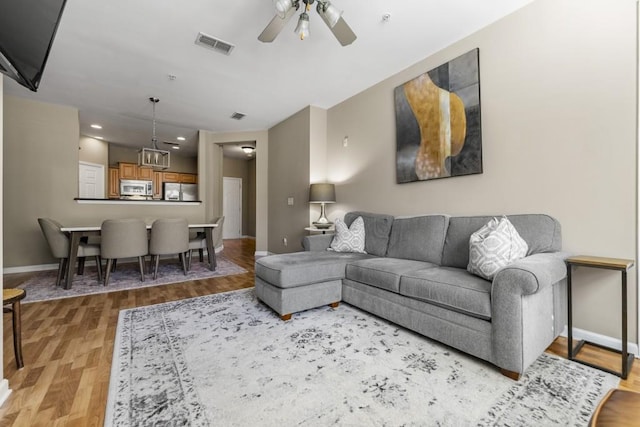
133, 171
144, 173
188, 178
114, 183
128, 170
157, 185
170, 177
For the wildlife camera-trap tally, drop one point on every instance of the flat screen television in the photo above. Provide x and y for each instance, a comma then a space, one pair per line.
27, 30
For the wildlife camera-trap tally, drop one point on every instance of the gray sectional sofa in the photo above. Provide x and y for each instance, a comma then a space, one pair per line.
414, 274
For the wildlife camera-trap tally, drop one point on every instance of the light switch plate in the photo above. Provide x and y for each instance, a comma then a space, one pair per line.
290, 201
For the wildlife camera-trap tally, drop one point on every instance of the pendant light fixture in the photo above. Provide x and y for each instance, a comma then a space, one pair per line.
153, 157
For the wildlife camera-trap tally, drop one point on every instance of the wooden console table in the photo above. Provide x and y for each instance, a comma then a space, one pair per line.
622, 265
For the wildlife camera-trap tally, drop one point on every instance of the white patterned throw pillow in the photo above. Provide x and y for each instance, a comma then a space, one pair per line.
494, 246
349, 239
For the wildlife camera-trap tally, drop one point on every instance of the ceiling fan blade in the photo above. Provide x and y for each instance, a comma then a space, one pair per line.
276, 25
343, 32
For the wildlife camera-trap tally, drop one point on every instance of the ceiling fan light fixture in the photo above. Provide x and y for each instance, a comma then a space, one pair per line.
302, 29
282, 7
329, 13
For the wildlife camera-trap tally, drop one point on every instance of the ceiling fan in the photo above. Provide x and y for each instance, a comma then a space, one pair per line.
331, 16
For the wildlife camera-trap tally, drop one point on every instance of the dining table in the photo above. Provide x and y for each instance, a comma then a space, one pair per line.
76, 234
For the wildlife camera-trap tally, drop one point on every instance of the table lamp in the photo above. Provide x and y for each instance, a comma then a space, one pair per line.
322, 193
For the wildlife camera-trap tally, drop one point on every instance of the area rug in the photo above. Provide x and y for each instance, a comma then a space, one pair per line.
227, 359
41, 286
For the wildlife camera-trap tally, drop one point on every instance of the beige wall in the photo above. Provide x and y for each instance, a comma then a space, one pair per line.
289, 177
558, 100
93, 151
317, 154
41, 180
240, 168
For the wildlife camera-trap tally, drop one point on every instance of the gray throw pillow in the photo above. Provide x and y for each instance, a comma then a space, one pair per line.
494, 246
349, 239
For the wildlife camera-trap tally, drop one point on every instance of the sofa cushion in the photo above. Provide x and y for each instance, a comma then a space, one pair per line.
541, 232
420, 238
383, 273
496, 245
452, 288
376, 227
303, 268
349, 239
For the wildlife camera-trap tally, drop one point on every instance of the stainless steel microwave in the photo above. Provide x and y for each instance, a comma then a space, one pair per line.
131, 187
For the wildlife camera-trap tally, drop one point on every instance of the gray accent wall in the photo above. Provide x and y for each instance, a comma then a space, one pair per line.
289, 177
558, 94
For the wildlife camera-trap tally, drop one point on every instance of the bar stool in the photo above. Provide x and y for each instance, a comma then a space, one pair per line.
13, 296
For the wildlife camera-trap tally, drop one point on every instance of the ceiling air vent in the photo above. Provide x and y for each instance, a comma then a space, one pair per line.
213, 43
238, 116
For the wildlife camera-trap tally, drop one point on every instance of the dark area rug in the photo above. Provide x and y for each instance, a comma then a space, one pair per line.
41, 286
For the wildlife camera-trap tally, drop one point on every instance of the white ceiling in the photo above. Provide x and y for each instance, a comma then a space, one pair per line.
109, 57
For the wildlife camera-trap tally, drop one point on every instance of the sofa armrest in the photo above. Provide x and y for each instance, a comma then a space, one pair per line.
531, 274
317, 242
524, 296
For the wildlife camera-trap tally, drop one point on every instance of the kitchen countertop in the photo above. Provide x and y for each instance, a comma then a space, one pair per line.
138, 202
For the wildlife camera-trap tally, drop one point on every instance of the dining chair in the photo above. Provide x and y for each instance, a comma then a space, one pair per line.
59, 245
169, 236
199, 242
123, 238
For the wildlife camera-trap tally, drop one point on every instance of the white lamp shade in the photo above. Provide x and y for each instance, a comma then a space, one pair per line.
302, 29
282, 7
330, 13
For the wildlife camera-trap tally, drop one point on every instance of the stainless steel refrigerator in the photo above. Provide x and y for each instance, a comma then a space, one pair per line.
183, 192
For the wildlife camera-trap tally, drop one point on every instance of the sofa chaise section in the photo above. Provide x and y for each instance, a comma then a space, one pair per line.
289, 283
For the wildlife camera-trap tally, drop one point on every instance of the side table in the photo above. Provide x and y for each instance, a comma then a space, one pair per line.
323, 230
622, 265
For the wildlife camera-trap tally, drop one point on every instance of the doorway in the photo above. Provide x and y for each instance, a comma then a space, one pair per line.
232, 207
91, 181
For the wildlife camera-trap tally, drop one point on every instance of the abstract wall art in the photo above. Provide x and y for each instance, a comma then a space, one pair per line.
438, 132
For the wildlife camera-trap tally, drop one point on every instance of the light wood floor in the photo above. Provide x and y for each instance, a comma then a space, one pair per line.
68, 344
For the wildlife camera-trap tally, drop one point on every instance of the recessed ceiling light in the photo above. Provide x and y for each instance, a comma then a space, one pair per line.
96, 126
98, 137
181, 138
175, 147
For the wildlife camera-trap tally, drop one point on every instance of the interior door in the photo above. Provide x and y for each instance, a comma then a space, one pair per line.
232, 207
91, 181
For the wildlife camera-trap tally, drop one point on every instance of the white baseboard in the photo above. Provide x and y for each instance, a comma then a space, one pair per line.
5, 391
604, 340
30, 268
262, 253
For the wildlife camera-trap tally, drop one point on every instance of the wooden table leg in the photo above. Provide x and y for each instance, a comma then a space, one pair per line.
17, 333
74, 243
211, 251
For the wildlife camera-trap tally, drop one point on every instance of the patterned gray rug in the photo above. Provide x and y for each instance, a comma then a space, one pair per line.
41, 286
228, 360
